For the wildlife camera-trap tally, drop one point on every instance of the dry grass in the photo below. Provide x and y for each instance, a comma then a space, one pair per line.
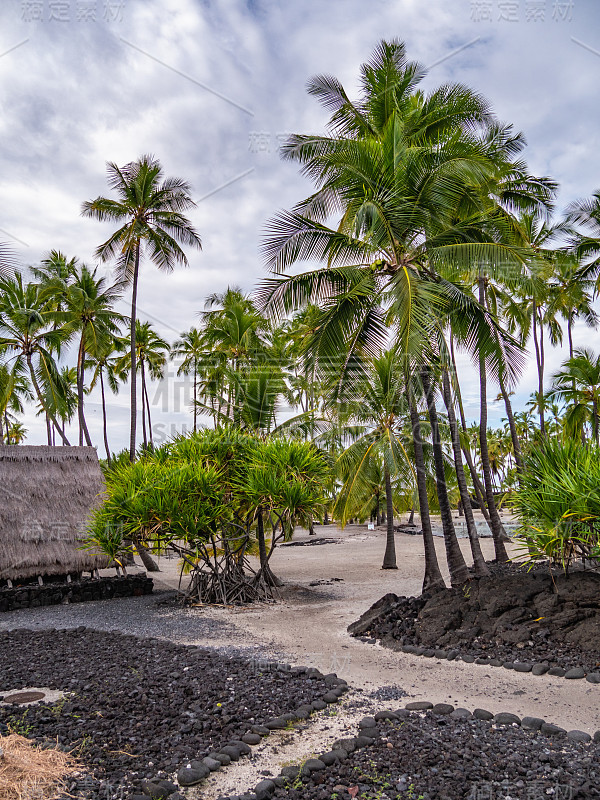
29, 773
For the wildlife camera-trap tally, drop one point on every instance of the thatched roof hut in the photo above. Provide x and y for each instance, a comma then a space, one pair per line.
46, 494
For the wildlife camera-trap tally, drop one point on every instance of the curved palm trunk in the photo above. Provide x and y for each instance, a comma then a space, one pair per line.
498, 533
389, 559
83, 429
104, 426
478, 487
478, 559
459, 573
133, 375
144, 433
40, 397
433, 577
513, 428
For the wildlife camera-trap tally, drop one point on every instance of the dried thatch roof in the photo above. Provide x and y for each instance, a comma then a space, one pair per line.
46, 494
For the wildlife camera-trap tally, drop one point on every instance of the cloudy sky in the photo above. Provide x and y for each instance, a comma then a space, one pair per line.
212, 87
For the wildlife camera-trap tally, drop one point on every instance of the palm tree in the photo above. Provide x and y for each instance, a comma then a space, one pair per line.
102, 362
149, 210
585, 241
377, 418
399, 168
151, 354
16, 433
578, 385
190, 347
571, 294
27, 336
87, 306
14, 391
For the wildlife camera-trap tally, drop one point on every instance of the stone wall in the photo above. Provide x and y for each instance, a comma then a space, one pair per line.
34, 595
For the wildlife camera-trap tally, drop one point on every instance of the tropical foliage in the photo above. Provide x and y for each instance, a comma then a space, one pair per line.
335, 389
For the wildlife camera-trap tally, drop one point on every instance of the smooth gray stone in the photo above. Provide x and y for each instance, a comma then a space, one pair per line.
264, 789
421, 705
523, 666
532, 723
212, 763
383, 715
540, 669
559, 672
593, 677
222, 757
313, 765
461, 713
481, 713
190, 777
575, 674
579, 736
552, 730
368, 722
442, 708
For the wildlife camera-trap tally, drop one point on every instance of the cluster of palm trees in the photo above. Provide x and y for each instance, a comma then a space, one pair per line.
425, 235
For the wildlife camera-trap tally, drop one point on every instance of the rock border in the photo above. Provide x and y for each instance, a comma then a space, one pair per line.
534, 667
194, 771
369, 731
34, 595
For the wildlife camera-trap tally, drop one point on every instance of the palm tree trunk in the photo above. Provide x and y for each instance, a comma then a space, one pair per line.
539, 359
133, 376
459, 573
478, 559
48, 429
512, 426
40, 397
104, 426
83, 429
498, 532
195, 394
389, 559
147, 401
144, 433
570, 332
477, 485
433, 577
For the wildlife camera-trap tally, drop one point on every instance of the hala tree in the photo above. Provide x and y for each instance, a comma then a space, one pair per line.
206, 497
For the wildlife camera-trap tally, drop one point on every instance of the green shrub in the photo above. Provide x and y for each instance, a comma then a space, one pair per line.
558, 503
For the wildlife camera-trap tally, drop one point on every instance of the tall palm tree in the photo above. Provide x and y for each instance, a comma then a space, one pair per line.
87, 306
31, 342
376, 422
400, 169
190, 347
149, 209
151, 355
102, 362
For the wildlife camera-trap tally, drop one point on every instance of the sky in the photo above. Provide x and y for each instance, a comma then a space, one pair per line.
212, 88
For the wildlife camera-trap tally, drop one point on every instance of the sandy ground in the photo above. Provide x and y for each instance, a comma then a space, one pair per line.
309, 627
